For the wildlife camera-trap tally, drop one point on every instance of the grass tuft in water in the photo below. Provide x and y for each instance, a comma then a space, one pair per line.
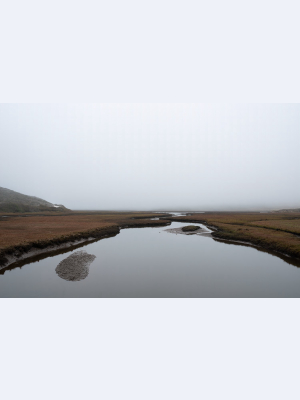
190, 228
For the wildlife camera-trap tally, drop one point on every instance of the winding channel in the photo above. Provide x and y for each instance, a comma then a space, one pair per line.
154, 262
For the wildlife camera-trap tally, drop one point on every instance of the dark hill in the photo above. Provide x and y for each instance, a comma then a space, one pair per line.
11, 201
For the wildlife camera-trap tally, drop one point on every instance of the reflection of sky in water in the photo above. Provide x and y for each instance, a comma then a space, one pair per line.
148, 262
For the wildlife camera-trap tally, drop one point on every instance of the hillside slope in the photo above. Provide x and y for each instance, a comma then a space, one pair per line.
11, 201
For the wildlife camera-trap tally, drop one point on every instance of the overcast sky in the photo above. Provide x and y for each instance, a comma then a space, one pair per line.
153, 156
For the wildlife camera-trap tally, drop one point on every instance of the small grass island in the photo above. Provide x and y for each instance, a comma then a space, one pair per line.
190, 228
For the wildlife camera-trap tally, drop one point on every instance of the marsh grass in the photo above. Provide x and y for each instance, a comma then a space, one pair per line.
273, 231
190, 228
19, 233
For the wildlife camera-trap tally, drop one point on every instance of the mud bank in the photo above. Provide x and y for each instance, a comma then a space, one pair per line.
75, 267
199, 232
149, 224
228, 237
63, 249
21, 253
222, 235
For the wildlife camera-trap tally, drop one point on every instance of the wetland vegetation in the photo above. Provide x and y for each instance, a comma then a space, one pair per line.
274, 231
190, 228
154, 262
23, 235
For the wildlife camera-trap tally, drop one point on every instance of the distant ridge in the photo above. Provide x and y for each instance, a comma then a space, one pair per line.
289, 210
11, 201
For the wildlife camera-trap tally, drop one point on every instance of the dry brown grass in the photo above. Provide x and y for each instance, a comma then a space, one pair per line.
20, 230
273, 231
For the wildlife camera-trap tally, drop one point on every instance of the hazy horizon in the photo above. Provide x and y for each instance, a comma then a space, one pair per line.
192, 157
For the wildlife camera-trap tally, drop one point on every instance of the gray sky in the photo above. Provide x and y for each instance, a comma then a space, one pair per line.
153, 156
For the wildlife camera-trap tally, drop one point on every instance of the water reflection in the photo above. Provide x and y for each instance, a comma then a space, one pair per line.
151, 262
290, 260
49, 254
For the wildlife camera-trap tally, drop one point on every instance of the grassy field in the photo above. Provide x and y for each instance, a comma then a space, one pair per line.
272, 231
21, 232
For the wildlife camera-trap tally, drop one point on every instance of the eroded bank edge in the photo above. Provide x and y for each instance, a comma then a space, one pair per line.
221, 235
22, 252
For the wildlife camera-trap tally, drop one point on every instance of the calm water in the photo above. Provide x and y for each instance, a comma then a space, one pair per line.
149, 262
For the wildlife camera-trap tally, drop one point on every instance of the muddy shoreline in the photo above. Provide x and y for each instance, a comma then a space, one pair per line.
20, 254
222, 236
200, 232
32, 256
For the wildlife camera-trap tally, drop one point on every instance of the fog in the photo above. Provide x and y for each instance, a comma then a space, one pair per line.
153, 156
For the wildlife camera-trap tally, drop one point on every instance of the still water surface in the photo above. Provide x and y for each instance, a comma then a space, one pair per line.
149, 262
